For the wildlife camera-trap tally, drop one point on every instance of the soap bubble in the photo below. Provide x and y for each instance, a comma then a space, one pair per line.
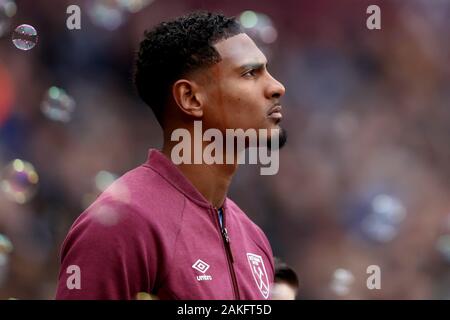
104, 179
134, 6
107, 215
248, 19
8, 9
107, 14
258, 26
341, 282
145, 296
443, 246
58, 105
19, 181
383, 222
25, 37
6, 248
111, 14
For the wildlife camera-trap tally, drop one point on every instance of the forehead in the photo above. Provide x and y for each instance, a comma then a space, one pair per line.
237, 51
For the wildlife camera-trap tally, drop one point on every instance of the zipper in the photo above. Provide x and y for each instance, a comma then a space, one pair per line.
230, 259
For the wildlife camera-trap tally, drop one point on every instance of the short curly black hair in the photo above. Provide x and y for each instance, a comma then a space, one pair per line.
284, 273
173, 49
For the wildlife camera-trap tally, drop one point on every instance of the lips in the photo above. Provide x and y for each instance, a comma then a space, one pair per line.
275, 112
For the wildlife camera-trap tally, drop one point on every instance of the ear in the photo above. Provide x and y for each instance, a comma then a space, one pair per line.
188, 97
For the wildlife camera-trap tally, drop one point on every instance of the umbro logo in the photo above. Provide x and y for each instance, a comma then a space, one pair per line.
202, 266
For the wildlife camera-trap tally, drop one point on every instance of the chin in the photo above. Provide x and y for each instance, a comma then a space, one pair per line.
281, 136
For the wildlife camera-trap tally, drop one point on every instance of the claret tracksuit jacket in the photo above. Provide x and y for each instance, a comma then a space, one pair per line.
151, 231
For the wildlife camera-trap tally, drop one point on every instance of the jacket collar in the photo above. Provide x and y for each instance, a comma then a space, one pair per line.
169, 171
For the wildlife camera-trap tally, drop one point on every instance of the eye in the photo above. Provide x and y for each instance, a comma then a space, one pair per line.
250, 73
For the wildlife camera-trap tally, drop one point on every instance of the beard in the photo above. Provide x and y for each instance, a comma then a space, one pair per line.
282, 139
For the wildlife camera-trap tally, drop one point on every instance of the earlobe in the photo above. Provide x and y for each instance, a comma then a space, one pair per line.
186, 96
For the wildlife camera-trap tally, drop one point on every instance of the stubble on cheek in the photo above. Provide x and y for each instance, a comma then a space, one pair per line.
217, 100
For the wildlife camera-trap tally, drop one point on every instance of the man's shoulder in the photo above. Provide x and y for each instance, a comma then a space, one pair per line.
141, 197
145, 182
145, 191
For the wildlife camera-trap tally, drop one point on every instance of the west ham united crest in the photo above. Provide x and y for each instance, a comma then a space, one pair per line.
259, 273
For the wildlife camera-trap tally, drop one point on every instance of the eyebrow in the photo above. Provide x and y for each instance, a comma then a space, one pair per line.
252, 66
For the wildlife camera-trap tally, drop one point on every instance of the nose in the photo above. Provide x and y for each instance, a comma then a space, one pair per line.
275, 89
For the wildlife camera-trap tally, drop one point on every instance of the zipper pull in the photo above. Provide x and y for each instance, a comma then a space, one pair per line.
225, 235
227, 241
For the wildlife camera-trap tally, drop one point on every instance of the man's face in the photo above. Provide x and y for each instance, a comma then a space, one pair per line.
283, 291
241, 93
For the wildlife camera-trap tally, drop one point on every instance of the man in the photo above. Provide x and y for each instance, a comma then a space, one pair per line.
286, 284
169, 230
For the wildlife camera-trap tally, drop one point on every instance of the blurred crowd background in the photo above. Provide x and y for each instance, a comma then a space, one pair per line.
364, 178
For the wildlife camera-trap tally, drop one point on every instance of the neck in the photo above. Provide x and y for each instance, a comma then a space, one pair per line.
211, 180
